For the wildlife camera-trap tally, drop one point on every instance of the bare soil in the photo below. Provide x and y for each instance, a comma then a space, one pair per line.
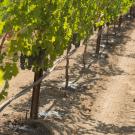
103, 101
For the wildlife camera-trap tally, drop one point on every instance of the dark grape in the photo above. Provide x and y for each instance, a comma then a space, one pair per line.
22, 61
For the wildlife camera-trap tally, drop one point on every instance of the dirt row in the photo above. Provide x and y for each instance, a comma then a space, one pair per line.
102, 101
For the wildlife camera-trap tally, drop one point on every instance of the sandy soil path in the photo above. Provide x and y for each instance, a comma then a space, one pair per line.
116, 104
103, 103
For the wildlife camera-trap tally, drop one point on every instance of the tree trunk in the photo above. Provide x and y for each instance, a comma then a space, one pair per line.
131, 13
134, 11
67, 67
35, 95
114, 28
99, 40
107, 34
84, 55
120, 22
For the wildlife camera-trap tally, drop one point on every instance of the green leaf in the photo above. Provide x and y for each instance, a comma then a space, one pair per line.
1, 77
10, 70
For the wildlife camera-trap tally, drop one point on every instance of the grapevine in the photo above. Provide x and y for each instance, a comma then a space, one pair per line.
42, 30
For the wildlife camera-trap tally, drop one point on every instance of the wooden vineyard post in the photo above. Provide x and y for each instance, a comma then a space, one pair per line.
107, 34
84, 54
99, 40
120, 22
35, 95
67, 66
114, 28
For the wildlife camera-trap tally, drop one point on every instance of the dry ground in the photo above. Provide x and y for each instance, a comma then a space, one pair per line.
104, 99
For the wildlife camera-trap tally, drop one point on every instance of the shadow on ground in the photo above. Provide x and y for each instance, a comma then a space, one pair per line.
75, 105
114, 129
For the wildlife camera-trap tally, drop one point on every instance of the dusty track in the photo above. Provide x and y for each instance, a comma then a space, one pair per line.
116, 104
104, 102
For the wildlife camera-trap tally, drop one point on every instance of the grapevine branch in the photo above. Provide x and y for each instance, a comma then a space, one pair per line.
27, 89
2, 42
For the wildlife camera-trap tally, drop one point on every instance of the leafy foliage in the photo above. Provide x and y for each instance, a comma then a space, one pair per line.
41, 30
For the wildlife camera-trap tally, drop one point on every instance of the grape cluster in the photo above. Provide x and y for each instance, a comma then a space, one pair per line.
26, 61
22, 61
